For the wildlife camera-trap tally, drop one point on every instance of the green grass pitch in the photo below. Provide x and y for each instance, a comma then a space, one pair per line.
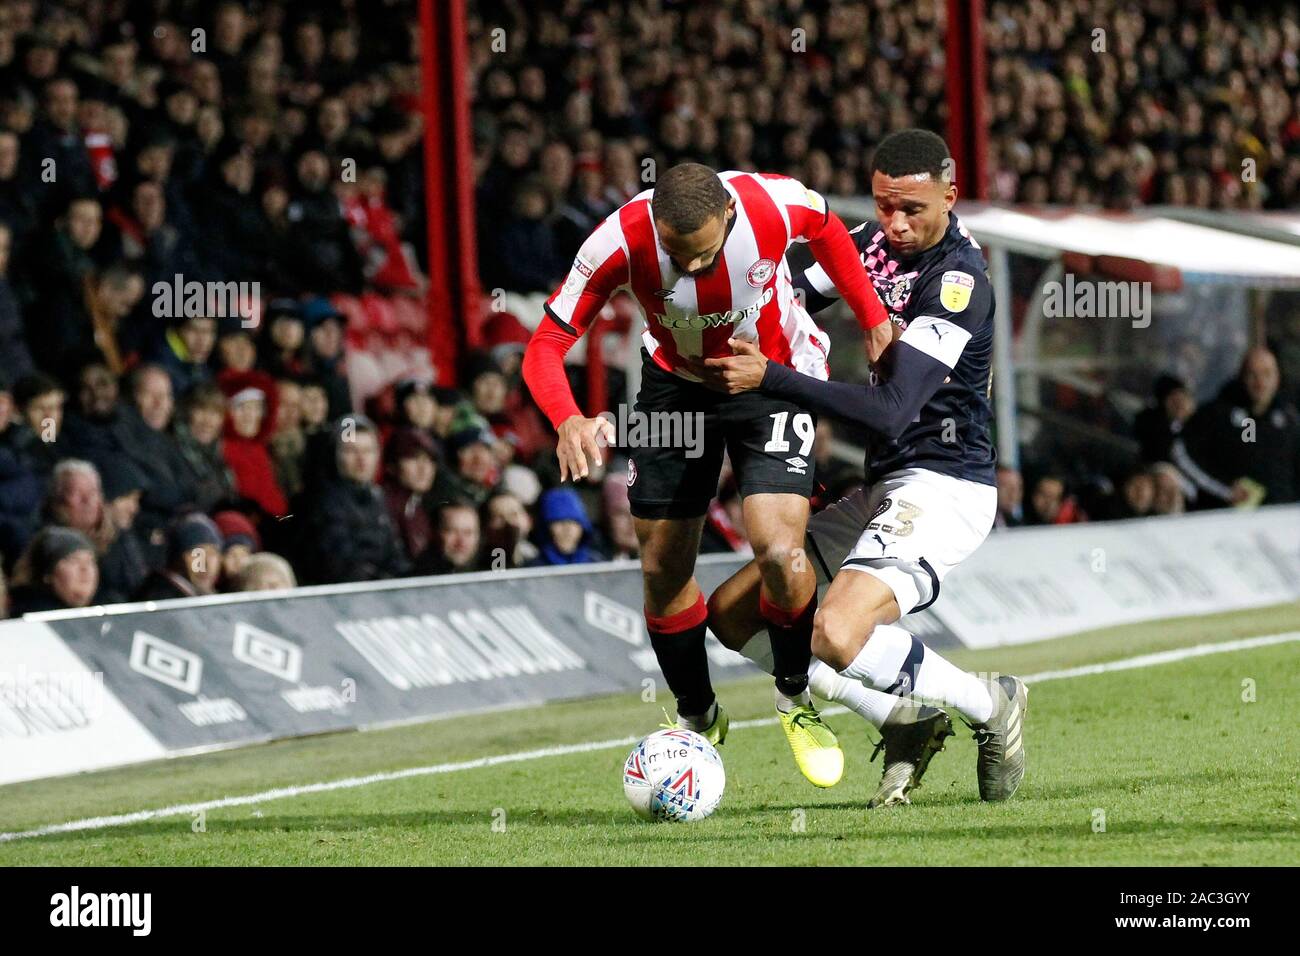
1166, 764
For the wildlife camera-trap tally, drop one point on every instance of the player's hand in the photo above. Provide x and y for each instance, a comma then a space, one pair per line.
742, 371
581, 440
880, 338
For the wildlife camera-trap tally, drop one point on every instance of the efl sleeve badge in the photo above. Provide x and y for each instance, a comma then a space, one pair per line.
955, 290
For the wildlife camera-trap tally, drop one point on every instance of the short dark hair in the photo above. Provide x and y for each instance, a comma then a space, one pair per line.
911, 152
687, 196
33, 386
203, 395
456, 504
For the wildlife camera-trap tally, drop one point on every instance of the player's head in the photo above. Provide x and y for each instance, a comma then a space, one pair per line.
912, 182
693, 212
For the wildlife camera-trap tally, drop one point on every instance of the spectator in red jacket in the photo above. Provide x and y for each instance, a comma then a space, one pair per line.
250, 422
375, 231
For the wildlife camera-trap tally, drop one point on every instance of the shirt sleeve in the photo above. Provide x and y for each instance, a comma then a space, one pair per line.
945, 311
949, 309
599, 268
810, 280
885, 409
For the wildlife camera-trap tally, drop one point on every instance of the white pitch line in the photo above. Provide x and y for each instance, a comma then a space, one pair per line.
348, 783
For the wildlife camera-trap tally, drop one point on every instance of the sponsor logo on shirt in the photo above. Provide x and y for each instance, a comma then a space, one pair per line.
955, 289
712, 320
582, 271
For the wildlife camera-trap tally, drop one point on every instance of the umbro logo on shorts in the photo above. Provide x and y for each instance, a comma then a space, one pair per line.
797, 465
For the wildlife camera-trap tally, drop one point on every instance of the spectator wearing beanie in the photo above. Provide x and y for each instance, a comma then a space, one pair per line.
124, 565
505, 338
477, 470
250, 421
324, 327
57, 571
410, 477
240, 541
566, 531
350, 532
193, 561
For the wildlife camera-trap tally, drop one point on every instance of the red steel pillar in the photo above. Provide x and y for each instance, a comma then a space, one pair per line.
454, 296
967, 126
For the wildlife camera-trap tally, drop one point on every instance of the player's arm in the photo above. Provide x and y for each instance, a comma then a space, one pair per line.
813, 286
886, 409
921, 360
838, 256
600, 267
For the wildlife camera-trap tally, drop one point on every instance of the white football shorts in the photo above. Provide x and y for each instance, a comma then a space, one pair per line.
909, 529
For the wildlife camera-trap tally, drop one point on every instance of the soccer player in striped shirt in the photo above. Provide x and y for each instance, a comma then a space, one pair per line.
703, 256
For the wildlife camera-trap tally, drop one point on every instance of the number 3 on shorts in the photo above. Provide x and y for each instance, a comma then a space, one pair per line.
803, 429
905, 514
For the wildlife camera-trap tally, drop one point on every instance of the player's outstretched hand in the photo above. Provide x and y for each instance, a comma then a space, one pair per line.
580, 441
742, 371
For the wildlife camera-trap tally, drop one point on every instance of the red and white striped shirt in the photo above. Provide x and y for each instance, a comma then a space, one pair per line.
747, 295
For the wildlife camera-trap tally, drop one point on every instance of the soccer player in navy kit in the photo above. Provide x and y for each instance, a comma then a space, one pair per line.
931, 492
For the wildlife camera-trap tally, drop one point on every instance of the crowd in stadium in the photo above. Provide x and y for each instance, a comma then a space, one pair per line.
1090, 103
146, 455
157, 446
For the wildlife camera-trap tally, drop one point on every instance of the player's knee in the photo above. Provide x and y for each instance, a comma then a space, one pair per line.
776, 561
833, 637
665, 573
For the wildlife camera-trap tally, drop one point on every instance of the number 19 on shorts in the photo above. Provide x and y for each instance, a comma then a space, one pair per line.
803, 428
